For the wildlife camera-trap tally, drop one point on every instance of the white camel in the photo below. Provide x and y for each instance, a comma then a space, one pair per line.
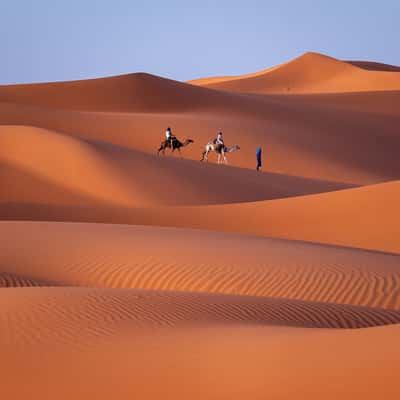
220, 150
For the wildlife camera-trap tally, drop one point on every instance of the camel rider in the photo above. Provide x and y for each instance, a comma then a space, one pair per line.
169, 137
219, 141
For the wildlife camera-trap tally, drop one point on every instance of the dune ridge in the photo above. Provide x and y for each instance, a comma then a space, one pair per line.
313, 73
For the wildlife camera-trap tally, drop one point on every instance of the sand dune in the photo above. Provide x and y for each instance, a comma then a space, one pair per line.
138, 92
119, 256
116, 336
363, 217
374, 66
43, 166
313, 73
53, 315
349, 138
208, 281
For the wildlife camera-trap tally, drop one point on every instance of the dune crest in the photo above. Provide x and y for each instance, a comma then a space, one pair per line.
313, 73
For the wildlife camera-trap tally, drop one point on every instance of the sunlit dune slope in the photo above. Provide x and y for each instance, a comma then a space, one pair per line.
314, 73
364, 217
218, 79
118, 256
219, 361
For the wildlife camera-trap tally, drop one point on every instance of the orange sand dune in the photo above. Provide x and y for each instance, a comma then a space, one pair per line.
113, 343
300, 137
217, 79
244, 308
363, 217
313, 73
138, 91
44, 166
120, 256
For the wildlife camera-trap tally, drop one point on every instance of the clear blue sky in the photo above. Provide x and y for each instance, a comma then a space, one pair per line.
49, 40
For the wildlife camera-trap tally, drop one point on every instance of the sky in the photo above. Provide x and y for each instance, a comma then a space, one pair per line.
53, 40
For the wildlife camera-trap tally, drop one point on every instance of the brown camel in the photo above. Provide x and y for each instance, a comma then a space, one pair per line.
176, 145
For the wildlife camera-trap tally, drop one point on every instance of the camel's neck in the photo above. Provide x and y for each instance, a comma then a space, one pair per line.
230, 149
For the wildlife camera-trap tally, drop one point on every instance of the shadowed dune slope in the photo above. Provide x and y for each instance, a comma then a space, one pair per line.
118, 256
313, 73
8, 280
47, 167
374, 66
138, 91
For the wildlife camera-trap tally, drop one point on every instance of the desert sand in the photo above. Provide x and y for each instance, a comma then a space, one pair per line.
126, 274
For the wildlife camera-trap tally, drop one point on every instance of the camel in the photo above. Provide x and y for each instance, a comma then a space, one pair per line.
176, 145
220, 150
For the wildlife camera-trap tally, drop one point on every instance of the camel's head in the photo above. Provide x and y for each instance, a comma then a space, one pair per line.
237, 147
189, 140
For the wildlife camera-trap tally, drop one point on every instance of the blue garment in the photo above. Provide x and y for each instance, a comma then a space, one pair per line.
258, 156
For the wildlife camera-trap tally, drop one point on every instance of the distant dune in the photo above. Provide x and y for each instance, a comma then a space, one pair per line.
126, 274
313, 73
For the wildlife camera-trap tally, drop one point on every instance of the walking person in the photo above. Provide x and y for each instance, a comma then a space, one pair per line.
258, 157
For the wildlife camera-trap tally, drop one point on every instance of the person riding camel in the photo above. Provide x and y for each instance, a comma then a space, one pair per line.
170, 137
219, 141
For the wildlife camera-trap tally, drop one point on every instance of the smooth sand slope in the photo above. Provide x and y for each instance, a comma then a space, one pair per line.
209, 362
313, 73
124, 274
365, 217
